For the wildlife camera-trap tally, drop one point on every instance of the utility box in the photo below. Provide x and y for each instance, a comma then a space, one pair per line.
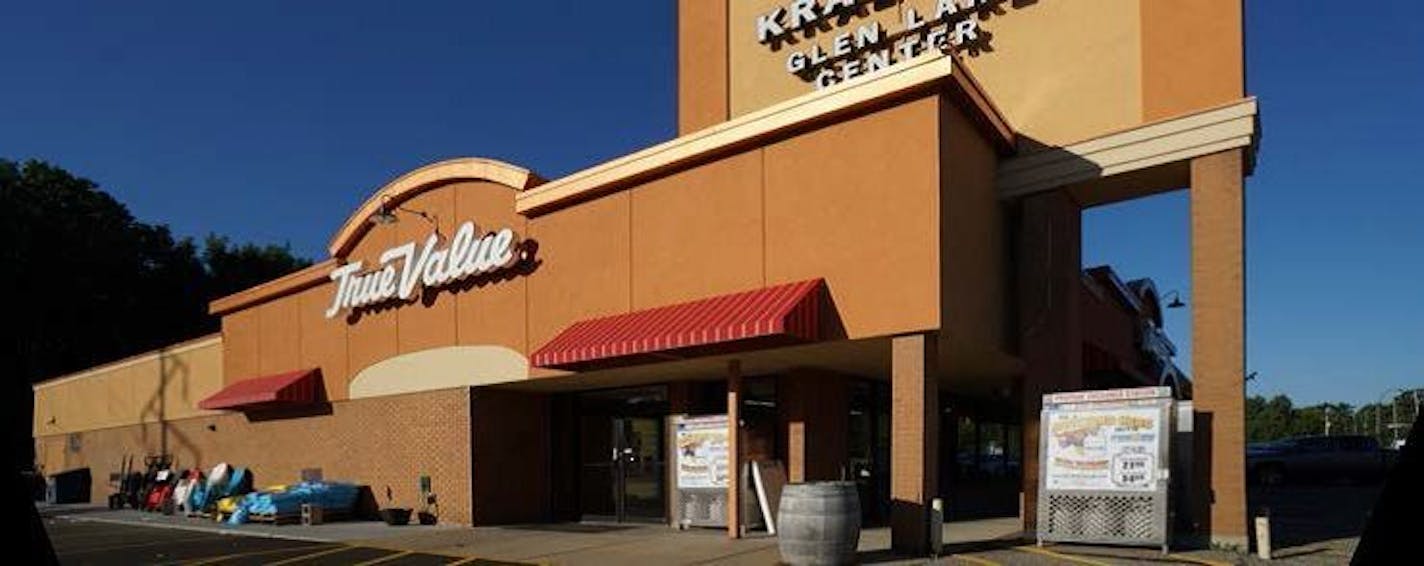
1106, 467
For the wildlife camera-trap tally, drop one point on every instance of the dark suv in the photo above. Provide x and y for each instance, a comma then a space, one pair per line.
1317, 459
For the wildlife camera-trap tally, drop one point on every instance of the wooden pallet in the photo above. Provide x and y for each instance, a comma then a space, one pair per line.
275, 519
295, 518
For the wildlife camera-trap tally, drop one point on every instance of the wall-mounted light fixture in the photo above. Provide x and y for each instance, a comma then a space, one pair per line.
1176, 301
212, 427
386, 214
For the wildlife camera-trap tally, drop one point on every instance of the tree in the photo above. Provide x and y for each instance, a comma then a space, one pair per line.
1278, 418
1268, 419
87, 283
233, 268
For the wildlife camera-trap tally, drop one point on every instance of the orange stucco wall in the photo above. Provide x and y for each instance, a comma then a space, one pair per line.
855, 202
157, 386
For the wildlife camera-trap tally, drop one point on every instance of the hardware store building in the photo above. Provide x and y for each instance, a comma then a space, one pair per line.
863, 247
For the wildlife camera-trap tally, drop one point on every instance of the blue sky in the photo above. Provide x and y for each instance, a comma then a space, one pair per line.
259, 119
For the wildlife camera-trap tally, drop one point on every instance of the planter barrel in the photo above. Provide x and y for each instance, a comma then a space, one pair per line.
819, 523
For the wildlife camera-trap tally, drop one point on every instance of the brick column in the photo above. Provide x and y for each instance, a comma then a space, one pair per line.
1050, 324
734, 449
914, 440
1218, 340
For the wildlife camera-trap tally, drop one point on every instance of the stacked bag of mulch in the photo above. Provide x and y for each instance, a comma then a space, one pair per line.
287, 501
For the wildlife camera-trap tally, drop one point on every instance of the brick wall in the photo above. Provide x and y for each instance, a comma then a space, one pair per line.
377, 442
511, 457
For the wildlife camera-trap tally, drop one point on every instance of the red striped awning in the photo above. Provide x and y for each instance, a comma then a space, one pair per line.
789, 312
294, 388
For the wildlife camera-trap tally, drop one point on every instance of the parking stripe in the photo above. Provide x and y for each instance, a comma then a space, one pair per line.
327, 552
975, 560
386, 558
1059, 555
1195, 560
226, 557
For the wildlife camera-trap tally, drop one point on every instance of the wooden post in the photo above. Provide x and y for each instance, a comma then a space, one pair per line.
734, 449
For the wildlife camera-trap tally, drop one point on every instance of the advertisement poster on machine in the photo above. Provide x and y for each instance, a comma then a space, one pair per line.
702, 453
1103, 449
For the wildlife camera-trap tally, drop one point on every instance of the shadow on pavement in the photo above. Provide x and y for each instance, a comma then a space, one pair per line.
881, 556
1307, 514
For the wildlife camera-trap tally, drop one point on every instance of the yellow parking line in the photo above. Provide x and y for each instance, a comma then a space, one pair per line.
440, 553
1195, 560
1059, 555
386, 558
465, 561
312, 555
975, 560
216, 559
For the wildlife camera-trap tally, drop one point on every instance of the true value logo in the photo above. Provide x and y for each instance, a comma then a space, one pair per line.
402, 268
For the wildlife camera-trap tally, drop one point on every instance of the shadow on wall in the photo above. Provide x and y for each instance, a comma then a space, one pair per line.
320, 408
175, 372
1203, 496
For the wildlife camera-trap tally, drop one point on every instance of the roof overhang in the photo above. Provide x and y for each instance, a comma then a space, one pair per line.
1149, 150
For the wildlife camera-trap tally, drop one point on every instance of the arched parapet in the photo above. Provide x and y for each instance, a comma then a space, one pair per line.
415, 182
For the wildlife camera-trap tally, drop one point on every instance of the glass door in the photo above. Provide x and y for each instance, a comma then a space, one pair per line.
640, 468
622, 462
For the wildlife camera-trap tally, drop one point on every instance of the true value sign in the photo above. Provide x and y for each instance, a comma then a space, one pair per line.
403, 267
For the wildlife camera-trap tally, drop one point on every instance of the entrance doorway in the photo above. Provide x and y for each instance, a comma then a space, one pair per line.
621, 446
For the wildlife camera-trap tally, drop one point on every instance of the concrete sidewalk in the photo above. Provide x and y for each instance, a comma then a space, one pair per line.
567, 543
596, 544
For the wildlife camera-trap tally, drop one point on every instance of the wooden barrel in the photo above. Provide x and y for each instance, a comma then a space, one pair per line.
819, 523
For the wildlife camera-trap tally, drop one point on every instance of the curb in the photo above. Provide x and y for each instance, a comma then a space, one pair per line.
194, 528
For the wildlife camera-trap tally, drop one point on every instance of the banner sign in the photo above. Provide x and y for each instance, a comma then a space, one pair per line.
702, 453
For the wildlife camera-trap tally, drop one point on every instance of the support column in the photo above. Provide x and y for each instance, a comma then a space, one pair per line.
914, 440
1049, 239
734, 449
679, 395
1219, 341
813, 424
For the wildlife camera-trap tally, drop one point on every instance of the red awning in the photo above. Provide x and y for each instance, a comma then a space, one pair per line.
295, 388
789, 312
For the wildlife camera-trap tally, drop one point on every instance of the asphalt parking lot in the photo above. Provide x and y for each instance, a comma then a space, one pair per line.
79, 542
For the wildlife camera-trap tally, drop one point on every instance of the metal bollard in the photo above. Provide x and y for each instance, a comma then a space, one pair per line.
1263, 534
936, 526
